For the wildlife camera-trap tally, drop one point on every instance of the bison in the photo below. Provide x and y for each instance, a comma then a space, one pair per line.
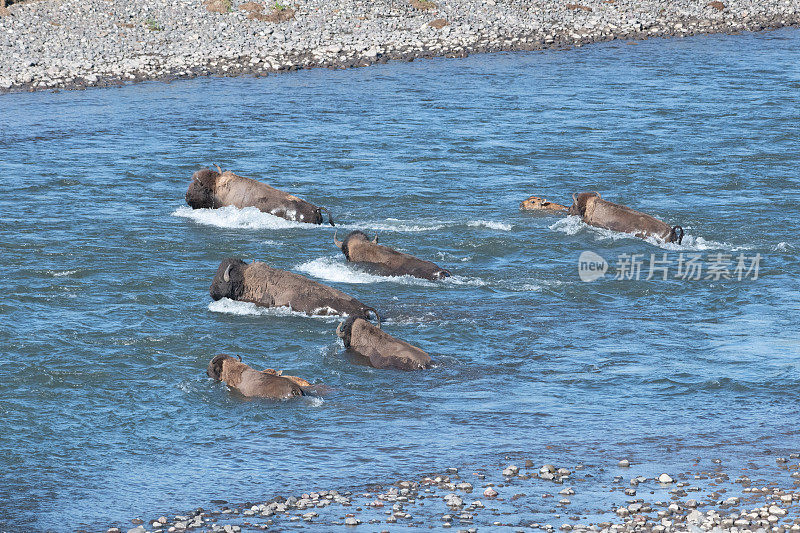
535, 203
358, 248
210, 189
379, 348
253, 383
265, 286
600, 213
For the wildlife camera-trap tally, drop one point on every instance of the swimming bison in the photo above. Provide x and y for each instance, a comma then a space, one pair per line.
600, 213
253, 383
386, 261
263, 285
378, 347
210, 189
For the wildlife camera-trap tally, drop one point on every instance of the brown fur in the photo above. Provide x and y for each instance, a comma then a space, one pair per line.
299, 381
357, 248
250, 382
604, 214
210, 189
534, 203
271, 287
381, 349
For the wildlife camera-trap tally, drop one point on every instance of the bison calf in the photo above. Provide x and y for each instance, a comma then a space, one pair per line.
211, 189
381, 349
357, 248
250, 382
534, 203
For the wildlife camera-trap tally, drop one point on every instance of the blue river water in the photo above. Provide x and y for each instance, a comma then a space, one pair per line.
107, 325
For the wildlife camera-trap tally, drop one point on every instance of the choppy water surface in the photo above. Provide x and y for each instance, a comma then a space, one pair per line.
107, 325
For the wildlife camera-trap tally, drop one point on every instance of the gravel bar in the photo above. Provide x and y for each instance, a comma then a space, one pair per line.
522, 495
72, 44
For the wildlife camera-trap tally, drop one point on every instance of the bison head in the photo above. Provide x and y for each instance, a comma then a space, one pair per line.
229, 280
352, 237
345, 329
201, 191
215, 366
578, 206
534, 203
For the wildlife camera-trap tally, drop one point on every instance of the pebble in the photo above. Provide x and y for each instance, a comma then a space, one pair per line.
665, 478
625, 463
489, 492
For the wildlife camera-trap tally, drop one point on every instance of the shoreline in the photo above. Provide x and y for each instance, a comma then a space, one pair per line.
51, 45
617, 497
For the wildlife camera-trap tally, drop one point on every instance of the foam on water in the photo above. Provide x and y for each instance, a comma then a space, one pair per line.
338, 270
62, 273
572, 225
500, 226
234, 307
230, 217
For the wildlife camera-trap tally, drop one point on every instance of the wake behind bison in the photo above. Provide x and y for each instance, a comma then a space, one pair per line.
212, 190
265, 286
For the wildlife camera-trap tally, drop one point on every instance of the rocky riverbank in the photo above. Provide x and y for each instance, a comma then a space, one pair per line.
50, 44
528, 496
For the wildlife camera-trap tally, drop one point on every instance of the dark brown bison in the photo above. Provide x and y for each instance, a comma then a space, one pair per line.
210, 189
271, 287
534, 203
357, 248
251, 382
378, 347
604, 214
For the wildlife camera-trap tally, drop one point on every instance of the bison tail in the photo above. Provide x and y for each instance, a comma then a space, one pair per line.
330, 217
676, 234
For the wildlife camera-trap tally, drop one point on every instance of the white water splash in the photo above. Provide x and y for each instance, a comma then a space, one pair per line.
572, 225
234, 307
61, 273
500, 226
314, 401
338, 270
781, 247
234, 218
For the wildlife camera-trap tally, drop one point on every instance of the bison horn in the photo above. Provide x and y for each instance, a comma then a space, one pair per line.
598, 195
335, 241
240, 357
218, 169
227, 275
574, 201
377, 316
330, 217
339, 330
375, 240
